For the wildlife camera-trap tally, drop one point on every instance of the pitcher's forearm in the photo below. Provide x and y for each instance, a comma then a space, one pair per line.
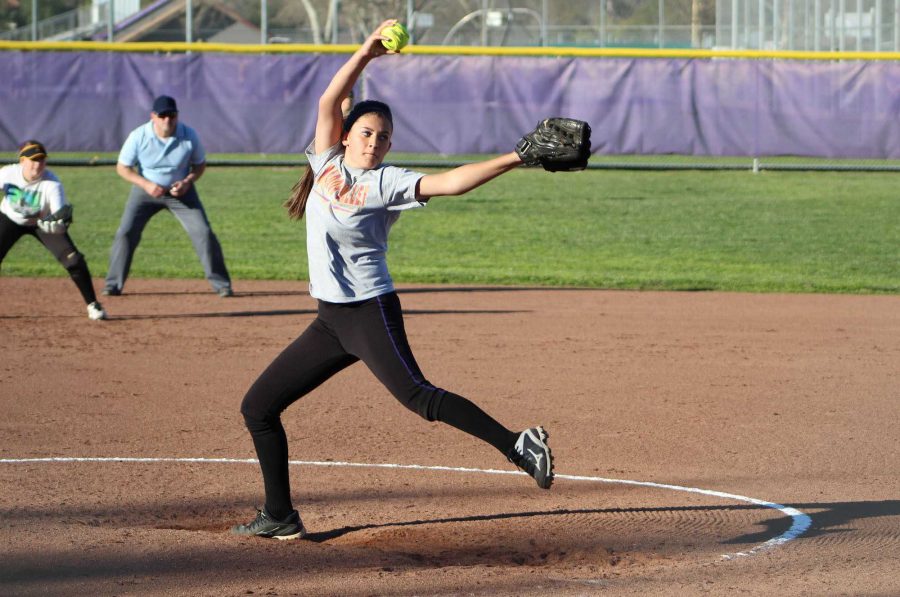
331, 117
465, 178
343, 81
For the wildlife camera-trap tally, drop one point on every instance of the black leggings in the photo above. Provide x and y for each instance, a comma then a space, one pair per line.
371, 331
60, 245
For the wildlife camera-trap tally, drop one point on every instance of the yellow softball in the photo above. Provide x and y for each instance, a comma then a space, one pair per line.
397, 37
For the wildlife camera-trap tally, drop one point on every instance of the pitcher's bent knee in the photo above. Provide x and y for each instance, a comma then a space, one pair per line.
425, 401
256, 416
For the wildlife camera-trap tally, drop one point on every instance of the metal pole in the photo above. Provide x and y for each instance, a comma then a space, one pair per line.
776, 25
832, 35
34, 13
817, 21
189, 21
603, 23
544, 23
263, 21
662, 19
878, 25
842, 39
110, 20
484, 10
791, 25
897, 25
746, 36
805, 29
336, 8
410, 17
695, 25
859, 25
718, 37
812, 24
734, 24
761, 23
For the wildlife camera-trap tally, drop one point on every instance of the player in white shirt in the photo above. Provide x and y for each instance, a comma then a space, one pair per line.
34, 203
350, 203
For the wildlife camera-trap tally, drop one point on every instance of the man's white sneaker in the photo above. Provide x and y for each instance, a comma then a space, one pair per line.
532, 454
95, 311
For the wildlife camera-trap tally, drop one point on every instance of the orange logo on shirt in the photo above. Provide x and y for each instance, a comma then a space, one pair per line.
333, 188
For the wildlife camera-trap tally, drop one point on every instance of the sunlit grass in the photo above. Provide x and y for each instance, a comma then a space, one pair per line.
678, 230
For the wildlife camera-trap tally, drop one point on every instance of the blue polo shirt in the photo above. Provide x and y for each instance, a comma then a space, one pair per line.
163, 161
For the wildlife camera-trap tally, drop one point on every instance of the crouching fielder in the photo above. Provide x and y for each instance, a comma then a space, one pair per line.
34, 203
350, 203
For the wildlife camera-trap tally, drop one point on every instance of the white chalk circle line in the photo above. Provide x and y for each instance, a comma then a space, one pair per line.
800, 522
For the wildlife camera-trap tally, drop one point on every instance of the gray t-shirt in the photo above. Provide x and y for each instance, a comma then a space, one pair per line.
349, 214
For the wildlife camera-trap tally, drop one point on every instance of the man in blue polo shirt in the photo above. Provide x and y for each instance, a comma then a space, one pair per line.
163, 159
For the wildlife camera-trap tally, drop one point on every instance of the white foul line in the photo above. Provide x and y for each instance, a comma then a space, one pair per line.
800, 522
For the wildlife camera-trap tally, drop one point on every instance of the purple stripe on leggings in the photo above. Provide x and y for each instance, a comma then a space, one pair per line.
387, 328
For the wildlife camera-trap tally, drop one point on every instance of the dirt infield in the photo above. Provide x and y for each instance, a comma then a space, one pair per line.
781, 403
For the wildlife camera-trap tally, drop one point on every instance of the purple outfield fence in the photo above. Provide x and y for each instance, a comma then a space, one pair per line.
89, 101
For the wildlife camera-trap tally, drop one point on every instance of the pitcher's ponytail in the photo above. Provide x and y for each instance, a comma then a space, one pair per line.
296, 203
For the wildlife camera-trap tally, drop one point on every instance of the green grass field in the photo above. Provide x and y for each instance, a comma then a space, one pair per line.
681, 230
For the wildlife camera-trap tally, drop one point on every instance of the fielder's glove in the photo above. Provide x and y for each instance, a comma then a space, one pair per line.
557, 144
58, 222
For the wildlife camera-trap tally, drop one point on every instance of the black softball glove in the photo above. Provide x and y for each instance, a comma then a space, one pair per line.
557, 144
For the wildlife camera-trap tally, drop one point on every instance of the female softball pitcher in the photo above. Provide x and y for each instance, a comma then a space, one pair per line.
34, 203
354, 199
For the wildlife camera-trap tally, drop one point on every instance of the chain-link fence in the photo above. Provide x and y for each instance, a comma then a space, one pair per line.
866, 25
813, 25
